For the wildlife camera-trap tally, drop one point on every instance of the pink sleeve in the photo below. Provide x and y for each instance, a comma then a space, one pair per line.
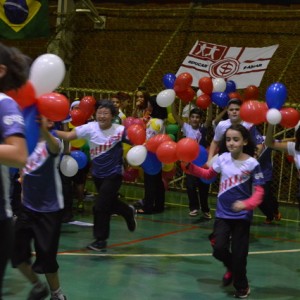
255, 199
201, 172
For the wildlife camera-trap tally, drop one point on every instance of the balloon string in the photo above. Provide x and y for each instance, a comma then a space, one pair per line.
192, 5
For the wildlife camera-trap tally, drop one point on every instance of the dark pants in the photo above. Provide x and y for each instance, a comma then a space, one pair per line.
231, 247
197, 190
6, 235
68, 195
154, 197
269, 205
108, 203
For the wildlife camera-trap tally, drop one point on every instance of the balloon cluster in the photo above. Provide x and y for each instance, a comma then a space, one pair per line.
257, 112
36, 96
84, 111
70, 164
161, 149
215, 90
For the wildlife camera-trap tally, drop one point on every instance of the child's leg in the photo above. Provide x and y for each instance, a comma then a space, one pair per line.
240, 247
222, 231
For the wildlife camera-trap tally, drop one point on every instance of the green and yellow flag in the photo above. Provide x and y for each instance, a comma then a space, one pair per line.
22, 19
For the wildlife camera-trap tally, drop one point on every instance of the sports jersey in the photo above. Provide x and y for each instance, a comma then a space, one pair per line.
236, 183
198, 134
154, 127
11, 123
42, 188
106, 149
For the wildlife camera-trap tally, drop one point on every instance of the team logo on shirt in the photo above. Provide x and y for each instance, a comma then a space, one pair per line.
10, 120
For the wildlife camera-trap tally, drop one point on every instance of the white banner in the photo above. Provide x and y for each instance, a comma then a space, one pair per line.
244, 65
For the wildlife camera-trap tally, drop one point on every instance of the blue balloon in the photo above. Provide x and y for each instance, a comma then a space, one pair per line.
80, 158
220, 98
276, 95
151, 165
202, 157
32, 128
230, 87
169, 80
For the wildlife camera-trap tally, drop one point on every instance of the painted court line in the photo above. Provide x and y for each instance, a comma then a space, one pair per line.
172, 255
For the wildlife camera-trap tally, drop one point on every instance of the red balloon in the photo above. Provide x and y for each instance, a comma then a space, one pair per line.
235, 95
290, 117
130, 174
166, 152
24, 96
169, 175
253, 111
53, 106
153, 143
183, 81
78, 117
186, 95
87, 106
136, 134
206, 85
128, 122
203, 101
251, 92
187, 149
139, 121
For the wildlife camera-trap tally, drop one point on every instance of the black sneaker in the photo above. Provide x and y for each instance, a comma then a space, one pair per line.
131, 220
242, 293
39, 291
227, 278
97, 245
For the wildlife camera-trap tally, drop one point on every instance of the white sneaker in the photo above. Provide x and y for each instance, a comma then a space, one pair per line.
193, 213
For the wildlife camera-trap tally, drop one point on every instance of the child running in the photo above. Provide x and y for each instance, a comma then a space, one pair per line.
39, 220
239, 174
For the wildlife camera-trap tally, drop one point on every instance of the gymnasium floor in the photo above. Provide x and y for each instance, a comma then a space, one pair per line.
169, 257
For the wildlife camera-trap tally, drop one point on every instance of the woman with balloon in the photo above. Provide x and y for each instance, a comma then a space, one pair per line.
197, 190
41, 214
106, 151
14, 69
141, 109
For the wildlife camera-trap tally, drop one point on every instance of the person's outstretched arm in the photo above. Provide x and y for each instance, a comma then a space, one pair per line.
271, 143
175, 114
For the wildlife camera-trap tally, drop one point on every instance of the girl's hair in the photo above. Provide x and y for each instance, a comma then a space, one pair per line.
145, 94
105, 103
297, 136
17, 65
248, 149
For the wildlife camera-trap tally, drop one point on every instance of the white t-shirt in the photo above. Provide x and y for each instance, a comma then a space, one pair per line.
223, 125
296, 154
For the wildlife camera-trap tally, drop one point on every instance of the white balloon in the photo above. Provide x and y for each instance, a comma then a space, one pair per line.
273, 116
199, 92
136, 155
219, 85
165, 97
68, 166
47, 73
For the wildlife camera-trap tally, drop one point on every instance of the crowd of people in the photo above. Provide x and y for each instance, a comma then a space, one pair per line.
243, 162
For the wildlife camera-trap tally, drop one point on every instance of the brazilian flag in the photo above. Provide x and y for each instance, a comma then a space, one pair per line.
22, 19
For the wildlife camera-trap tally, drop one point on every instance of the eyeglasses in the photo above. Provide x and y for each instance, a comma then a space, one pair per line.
105, 114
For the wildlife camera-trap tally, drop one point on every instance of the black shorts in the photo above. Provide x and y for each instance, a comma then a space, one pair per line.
44, 230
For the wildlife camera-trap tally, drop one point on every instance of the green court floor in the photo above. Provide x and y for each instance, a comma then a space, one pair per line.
169, 257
